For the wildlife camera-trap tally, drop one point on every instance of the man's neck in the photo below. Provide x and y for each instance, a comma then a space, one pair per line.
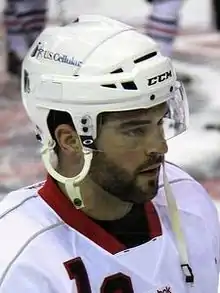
100, 204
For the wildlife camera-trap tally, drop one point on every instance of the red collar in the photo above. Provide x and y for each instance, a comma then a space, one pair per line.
80, 222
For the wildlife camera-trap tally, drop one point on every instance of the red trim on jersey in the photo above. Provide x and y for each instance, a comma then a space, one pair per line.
60, 203
154, 225
78, 220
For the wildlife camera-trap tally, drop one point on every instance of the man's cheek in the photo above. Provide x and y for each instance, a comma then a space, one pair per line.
128, 161
133, 158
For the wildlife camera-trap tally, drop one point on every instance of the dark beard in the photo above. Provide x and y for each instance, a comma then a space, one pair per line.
118, 182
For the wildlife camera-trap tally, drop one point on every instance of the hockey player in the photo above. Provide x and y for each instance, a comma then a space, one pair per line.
112, 215
24, 20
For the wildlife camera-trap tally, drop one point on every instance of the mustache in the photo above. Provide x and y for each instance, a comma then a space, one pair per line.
152, 160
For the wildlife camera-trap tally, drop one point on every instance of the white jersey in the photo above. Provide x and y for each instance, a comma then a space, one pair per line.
47, 246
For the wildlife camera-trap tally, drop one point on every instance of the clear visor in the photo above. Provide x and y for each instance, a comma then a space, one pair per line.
142, 128
176, 121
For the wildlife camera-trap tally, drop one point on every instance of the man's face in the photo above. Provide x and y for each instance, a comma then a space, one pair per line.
132, 148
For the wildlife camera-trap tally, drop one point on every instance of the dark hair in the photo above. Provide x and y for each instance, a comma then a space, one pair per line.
56, 118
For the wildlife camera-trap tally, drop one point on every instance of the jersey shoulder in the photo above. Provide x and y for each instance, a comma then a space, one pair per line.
192, 199
23, 216
190, 195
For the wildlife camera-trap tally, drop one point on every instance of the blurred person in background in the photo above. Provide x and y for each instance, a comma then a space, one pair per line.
163, 24
216, 14
24, 20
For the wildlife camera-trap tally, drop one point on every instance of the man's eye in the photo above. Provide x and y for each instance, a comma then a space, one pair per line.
160, 122
135, 132
167, 114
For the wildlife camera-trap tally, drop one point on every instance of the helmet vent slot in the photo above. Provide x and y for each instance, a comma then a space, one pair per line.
129, 85
112, 85
145, 57
119, 70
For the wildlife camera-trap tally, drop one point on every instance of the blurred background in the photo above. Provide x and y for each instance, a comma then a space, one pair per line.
195, 46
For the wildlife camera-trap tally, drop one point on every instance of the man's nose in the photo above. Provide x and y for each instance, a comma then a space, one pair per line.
157, 144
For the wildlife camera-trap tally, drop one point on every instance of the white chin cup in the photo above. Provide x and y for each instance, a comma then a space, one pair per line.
71, 184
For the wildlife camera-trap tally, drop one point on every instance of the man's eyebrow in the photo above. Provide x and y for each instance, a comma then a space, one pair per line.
132, 123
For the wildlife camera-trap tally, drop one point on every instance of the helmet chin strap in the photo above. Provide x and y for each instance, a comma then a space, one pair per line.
71, 184
177, 230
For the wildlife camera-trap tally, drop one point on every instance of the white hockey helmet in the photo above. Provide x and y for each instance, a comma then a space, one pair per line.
91, 66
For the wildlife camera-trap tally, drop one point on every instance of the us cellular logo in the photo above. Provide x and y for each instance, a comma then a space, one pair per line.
40, 53
36, 49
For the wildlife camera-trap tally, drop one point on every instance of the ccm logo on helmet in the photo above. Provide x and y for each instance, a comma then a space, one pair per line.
159, 78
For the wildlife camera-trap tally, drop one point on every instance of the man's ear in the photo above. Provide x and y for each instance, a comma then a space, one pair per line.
67, 139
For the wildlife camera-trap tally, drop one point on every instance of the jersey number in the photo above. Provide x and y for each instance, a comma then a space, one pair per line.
112, 284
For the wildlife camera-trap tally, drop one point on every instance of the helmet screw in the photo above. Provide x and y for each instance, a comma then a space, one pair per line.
85, 129
83, 120
77, 202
